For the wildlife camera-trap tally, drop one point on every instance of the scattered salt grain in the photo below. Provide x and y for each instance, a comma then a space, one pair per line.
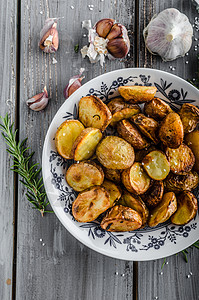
122, 275
41, 12
167, 263
43, 244
188, 276
72, 7
161, 273
40, 240
116, 273
186, 62
173, 69
54, 61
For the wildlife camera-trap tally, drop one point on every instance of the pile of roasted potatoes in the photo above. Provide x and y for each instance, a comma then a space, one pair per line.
141, 176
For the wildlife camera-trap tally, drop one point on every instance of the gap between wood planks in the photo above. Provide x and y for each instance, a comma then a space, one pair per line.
136, 39
16, 181
17, 117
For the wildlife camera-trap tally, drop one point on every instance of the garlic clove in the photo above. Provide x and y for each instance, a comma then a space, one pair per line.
49, 40
74, 84
39, 101
169, 34
116, 31
119, 47
103, 27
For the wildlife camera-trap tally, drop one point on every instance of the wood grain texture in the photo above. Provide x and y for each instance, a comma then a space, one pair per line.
173, 283
60, 267
7, 96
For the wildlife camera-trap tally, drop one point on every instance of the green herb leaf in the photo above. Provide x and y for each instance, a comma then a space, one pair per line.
24, 167
76, 48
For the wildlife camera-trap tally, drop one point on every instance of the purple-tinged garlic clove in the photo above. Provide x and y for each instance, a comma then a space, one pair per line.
103, 27
119, 47
39, 101
49, 40
116, 31
74, 84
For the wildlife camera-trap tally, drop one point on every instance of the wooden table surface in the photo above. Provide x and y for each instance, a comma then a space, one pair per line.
60, 267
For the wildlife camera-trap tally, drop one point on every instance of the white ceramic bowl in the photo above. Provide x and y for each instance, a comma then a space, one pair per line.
145, 244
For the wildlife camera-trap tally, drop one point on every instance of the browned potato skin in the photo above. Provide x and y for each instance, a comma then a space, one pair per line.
140, 154
131, 134
114, 191
179, 183
164, 210
129, 179
154, 195
121, 218
181, 159
97, 114
137, 94
94, 197
157, 109
171, 131
122, 110
148, 126
192, 140
84, 175
135, 202
115, 153
189, 115
114, 175
187, 208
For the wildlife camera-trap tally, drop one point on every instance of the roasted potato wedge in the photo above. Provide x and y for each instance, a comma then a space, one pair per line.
148, 126
94, 113
114, 191
171, 131
115, 153
135, 179
181, 159
164, 210
154, 194
131, 134
192, 140
90, 203
179, 183
187, 208
66, 135
86, 143
84, 175
157, 109
114, 175
137, 94
121, 218
136, 203
189, 115
156, 165
122, 110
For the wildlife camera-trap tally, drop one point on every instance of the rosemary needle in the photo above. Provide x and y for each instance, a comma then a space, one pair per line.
24, 167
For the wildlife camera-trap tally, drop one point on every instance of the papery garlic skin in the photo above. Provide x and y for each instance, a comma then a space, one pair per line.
49, 40
169, 34
39, 101
74, 84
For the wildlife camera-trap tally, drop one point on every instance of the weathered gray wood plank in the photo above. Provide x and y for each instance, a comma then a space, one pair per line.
7, 92
63, 268
173, 283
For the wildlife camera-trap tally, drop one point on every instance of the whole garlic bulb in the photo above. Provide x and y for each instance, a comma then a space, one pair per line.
169, 34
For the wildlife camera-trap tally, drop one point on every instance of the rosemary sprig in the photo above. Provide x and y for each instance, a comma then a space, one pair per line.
29, 172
